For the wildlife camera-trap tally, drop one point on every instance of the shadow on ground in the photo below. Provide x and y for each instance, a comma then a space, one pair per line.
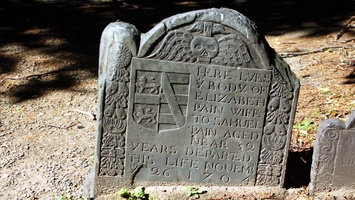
298, 168
350, 79
80, 22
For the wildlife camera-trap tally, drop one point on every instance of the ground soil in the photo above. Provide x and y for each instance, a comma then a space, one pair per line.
48, 85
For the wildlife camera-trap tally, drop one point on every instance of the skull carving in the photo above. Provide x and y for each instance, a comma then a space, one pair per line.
204, 48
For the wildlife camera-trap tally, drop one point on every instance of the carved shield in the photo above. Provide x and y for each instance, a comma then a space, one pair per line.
160, 98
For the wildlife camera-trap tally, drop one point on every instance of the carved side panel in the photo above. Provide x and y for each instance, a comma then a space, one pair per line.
114, 114
326, 161
275, 132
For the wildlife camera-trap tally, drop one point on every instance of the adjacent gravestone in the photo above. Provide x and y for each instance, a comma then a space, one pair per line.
333, 164
200, 99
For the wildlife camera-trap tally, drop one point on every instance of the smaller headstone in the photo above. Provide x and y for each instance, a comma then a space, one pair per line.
333, 164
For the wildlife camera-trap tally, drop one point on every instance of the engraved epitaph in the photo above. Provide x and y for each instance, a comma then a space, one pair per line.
200, 99
333, 163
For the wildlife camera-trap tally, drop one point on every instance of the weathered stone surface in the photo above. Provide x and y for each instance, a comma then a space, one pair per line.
333, 164
200, 99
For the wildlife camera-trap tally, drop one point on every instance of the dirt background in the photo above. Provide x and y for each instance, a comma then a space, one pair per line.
48, 85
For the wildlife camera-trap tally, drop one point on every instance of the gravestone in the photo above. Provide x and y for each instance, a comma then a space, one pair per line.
333, 164
201, 99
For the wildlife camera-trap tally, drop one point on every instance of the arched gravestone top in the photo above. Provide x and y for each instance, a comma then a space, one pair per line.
200, 99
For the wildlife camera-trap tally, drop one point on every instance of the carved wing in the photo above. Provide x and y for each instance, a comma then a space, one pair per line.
232, 51
176, 47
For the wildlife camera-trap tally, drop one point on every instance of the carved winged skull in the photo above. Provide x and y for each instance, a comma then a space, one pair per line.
181, 45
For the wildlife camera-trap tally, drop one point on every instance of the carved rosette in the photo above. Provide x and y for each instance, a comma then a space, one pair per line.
114, 114
327, 159
275, 132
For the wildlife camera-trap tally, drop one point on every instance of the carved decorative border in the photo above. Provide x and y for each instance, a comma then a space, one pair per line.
275, 132
114, 114
327, 159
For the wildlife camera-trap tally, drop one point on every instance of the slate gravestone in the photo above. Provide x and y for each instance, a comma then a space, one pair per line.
333, 164
200, 99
